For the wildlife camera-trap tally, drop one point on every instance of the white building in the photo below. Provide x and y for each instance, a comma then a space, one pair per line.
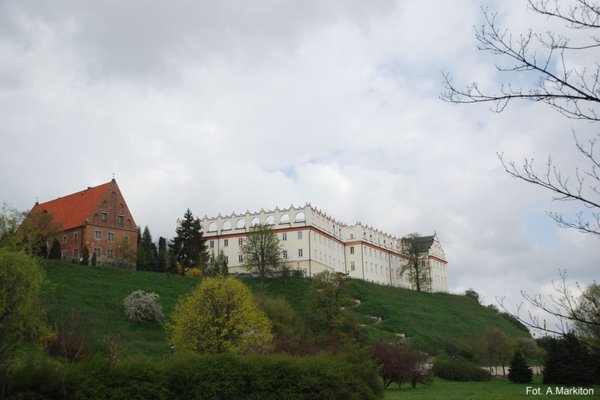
314, 242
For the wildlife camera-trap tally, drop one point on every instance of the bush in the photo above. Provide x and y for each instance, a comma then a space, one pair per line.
194, 272
457, 370
208, 376
140, 306
519, 370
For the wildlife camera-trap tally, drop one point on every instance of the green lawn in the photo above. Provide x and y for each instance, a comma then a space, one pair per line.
96, 293
496, 389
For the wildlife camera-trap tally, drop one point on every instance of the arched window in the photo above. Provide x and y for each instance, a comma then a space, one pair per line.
299, 216
285, 219
226, 225
255, 221
241, 223
270, 220
212, 227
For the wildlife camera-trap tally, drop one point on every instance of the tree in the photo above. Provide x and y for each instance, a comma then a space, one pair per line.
220, 316
147, 254
55, 251
10, 219
493, 348
568, 362
416, 265
551, 62
261, 251
400, 363
575, 310
33, 233
188, 247
217, 265
162, 255
324, 300
470, 293
21, 313
85, 256
519, 371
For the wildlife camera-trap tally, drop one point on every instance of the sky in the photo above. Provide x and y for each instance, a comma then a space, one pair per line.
225, 106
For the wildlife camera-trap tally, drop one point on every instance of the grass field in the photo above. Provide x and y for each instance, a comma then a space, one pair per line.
96, 293
496, 389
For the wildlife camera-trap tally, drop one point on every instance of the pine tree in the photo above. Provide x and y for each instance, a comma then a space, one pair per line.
85, 256
162, 256
147, 257
519, 372
568, 363
188, 247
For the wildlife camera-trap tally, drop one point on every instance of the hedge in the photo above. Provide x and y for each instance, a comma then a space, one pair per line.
201, 377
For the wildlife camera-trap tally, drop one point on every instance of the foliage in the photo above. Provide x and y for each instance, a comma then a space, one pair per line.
569, 362
530, 350
324, 300
567, 86
261, 251
162, 261
519, 372
94, 259
55, 251
141, 306
493, 348
470, 293
220, 316
72, 342
458, 370
217, 265
22, 317
400, 363
188, 247
85, 256
416, 265
10, 219
147, 253
194, 272
586, 316
34, 231
223, 376
289, 331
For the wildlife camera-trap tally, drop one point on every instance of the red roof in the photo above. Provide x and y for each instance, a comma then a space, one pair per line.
71, 211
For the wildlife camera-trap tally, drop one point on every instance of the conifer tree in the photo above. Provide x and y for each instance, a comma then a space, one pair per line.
519, 372
55, 251
162, 254
85, 256
146, 253
188, 247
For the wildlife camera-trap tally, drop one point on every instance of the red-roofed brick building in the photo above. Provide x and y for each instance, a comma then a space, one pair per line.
97, 218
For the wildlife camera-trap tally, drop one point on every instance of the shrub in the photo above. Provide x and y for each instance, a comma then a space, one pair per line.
140, 306
458, 370
194, 272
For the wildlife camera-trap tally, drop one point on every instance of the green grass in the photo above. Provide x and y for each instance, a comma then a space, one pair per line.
97, 293
496, 389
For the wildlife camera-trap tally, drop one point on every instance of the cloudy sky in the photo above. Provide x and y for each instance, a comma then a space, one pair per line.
225, 106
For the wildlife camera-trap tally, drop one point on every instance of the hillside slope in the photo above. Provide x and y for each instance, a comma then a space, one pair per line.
94, 295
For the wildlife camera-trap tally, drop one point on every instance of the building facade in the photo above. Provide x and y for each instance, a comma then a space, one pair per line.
314, 242
97, 218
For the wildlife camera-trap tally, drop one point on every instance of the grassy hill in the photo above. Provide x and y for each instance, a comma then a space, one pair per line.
94, 295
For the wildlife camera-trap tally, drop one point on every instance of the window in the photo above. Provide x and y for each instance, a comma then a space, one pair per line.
98, 235
240, 241
352, 266
285, 255
97, 251
75, 236
352, 250
226, 243
75, 253
126, 239
111, 236
241, 258
109, 253
64, 239
284, 236
120, 219
104, 217
64, 254
211, 244
299, 252
226, 260
300, 235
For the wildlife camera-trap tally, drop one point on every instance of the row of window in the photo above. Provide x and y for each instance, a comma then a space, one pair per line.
211, 243
269, 220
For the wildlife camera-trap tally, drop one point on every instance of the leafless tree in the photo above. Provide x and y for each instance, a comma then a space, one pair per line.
565, 86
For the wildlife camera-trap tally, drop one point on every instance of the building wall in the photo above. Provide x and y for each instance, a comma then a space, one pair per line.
314, 242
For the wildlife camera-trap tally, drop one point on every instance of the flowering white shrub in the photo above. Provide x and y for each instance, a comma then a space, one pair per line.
140, 306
